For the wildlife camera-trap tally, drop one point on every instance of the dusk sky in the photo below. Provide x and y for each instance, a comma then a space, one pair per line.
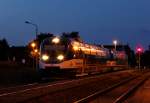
97, 21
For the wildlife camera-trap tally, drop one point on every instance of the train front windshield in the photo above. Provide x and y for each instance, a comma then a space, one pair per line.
52, 50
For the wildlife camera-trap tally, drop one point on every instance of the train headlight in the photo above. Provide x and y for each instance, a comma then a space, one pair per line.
55, 40
45, 57
60, 57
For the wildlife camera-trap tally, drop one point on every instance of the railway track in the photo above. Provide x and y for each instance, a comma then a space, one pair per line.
116, 93
15, 89
40, 83
57, 90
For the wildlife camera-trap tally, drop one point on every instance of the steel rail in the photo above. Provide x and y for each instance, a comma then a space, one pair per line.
130, 91
44, 86
95, 95
16, 87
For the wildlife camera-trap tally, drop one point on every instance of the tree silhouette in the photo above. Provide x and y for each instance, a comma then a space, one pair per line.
4, 49
145, 58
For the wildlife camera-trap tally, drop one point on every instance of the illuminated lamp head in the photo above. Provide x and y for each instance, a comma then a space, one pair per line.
33, 44
115, 42
36, 50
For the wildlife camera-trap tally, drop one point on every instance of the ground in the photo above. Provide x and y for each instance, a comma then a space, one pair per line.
12, 74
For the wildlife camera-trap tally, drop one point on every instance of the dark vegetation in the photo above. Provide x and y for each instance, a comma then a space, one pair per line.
145, 58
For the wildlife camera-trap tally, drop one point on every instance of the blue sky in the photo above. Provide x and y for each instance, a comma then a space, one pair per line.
98, 21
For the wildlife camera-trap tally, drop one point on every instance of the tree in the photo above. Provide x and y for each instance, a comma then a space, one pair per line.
145, 58
74, 35
43, 36
4, 49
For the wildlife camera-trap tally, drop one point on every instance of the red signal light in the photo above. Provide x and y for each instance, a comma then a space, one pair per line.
139, 50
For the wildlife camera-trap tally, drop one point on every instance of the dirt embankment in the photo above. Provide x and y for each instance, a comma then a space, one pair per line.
14, 74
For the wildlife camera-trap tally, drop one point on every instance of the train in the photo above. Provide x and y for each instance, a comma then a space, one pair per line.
70, 55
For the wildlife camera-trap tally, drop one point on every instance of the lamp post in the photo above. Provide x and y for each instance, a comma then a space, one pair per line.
115, 43
35, 25
34, 44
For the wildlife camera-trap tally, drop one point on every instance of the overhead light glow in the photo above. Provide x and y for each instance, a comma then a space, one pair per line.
115, 42
56, 40
33, 44
36, 50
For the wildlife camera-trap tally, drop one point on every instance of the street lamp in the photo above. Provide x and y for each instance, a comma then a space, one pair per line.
33, 45
35, 25
115, 43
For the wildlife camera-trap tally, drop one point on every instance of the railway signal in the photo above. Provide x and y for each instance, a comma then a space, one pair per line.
139, 50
